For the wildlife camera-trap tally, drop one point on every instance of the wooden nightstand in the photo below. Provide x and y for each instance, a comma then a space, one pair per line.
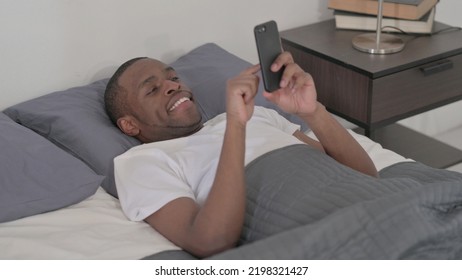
375, 91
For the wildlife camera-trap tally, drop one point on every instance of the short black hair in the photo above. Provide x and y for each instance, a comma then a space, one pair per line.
115, 101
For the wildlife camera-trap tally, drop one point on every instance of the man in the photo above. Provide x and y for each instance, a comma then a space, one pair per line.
188, 183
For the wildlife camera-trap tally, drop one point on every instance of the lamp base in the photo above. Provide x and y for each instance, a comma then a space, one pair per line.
368, 43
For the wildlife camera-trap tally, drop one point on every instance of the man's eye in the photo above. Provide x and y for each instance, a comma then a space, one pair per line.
153, 90
174, 79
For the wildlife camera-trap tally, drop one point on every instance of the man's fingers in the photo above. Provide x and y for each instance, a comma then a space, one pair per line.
300, 79
244, 85
283, 59
290, 74
252, 70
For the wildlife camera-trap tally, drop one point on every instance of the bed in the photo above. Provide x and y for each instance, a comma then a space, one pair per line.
59, 199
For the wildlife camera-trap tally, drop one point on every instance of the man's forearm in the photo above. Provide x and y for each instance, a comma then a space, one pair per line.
223, 212
338, 142
222, 216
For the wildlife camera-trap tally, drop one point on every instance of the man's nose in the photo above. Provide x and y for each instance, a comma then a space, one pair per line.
172, 87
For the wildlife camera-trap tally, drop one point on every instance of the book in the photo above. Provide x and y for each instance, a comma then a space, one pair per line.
403, 9
355, 21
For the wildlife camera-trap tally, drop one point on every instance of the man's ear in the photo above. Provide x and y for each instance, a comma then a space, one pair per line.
128, 125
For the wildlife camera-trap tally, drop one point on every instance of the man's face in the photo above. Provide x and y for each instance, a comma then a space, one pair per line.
161, 106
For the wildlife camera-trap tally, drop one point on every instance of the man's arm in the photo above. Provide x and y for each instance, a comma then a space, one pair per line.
298, 96
337, 142
216, 225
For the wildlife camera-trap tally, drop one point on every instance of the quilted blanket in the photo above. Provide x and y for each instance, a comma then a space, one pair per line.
304, 205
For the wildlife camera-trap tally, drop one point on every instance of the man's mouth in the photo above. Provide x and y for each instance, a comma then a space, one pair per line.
178, 102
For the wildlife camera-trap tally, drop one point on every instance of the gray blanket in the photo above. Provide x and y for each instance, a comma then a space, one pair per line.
304, 205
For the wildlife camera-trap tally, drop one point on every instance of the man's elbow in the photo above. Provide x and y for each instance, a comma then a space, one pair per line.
204, 247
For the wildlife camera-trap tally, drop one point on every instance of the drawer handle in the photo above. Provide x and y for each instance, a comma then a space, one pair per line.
437, 67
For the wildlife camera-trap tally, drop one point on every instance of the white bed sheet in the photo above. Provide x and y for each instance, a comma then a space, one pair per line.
96, 228
381, 157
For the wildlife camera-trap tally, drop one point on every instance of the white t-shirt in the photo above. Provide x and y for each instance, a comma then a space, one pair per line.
151, 175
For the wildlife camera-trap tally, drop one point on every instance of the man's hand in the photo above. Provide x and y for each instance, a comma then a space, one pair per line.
297, 94
240, 94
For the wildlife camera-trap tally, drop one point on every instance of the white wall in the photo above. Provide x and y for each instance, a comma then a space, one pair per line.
448, 11
49, 45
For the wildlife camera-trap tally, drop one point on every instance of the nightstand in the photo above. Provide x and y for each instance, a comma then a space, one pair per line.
375, 91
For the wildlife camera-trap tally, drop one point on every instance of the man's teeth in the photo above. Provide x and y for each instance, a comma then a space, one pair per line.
181, 100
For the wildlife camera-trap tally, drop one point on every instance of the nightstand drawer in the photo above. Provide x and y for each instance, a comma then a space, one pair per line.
416, 90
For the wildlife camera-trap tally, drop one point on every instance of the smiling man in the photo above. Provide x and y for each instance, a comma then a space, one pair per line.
188, 180
138, 109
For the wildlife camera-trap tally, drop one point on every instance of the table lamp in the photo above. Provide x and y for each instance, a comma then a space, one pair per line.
378, 43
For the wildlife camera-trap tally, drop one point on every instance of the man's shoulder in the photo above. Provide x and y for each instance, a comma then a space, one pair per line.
154, 149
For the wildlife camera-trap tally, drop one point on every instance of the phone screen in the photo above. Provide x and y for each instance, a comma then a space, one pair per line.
269, 48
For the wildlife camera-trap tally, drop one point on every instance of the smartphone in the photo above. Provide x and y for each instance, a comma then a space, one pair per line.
269, 48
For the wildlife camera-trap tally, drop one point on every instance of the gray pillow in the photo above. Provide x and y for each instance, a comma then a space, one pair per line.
36, 176
75, 119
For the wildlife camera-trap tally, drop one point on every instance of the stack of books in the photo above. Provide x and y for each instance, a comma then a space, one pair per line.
409, 16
